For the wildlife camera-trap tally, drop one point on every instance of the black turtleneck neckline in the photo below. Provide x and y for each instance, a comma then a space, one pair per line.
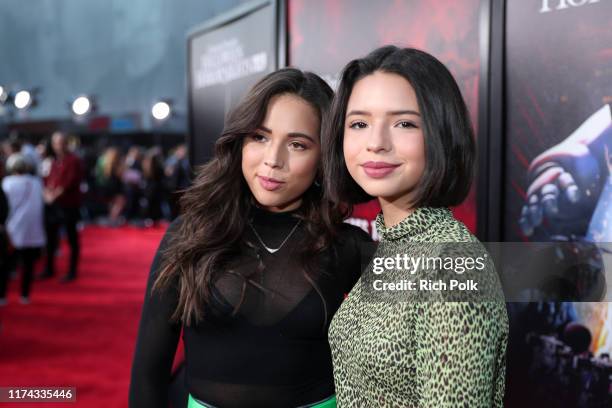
266, 218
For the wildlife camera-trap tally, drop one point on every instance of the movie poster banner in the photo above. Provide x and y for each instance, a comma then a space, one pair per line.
225, 60
324, 35
558, 146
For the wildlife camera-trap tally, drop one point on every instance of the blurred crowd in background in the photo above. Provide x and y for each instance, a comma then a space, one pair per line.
137, 185
55, 187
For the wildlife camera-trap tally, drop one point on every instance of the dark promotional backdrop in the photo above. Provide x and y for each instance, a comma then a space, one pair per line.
558, 74
226, 57
546, 67
324, 35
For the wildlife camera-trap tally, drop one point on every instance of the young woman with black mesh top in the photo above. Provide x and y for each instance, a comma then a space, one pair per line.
255, 267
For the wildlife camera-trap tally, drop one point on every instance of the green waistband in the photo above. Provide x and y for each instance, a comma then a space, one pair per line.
328, 403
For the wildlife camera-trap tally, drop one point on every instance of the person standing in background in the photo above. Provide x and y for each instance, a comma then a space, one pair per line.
63, 194
111, 182
30, 155
178, 176
132, 181
154, 192
24, 224
3, 237
21, 144
47, 155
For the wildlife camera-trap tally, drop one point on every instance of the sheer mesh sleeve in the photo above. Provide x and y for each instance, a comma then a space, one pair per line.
156, 342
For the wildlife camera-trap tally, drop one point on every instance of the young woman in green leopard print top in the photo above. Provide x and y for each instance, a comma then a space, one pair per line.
400, 131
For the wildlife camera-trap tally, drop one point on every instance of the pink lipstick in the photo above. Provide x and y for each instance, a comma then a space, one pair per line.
378, 169
268, 183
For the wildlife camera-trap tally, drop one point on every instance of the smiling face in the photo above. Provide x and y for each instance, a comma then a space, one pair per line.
383, 145
280, 160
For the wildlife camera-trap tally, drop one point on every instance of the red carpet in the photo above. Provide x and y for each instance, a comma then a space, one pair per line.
81, 334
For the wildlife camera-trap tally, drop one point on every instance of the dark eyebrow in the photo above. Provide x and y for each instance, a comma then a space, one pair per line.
358, 112
291, 135
390, 113
265, 129
403, 112
302, 135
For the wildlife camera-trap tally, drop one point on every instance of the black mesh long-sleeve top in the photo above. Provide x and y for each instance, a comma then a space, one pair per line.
270, 351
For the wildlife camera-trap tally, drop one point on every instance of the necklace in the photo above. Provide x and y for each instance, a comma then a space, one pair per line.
273, 250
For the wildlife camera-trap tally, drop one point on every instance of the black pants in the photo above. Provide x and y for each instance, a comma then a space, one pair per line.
26, 257
67, 218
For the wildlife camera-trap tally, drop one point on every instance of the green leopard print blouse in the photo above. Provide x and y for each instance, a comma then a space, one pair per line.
419, 354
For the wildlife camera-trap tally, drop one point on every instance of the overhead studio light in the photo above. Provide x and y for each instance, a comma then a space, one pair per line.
23, 99
82, 105
161, 110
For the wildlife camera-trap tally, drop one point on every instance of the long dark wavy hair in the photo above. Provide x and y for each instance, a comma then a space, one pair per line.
215, 209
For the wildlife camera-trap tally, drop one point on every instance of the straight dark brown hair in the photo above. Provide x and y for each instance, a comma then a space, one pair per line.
450, 150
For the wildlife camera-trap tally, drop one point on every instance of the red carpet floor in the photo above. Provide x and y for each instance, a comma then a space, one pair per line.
81, 334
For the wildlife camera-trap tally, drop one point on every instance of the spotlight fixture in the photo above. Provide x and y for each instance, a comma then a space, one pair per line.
23, 100
82, 105
161, 110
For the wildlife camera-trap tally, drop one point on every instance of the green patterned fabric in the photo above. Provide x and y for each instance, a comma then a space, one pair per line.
419, 354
